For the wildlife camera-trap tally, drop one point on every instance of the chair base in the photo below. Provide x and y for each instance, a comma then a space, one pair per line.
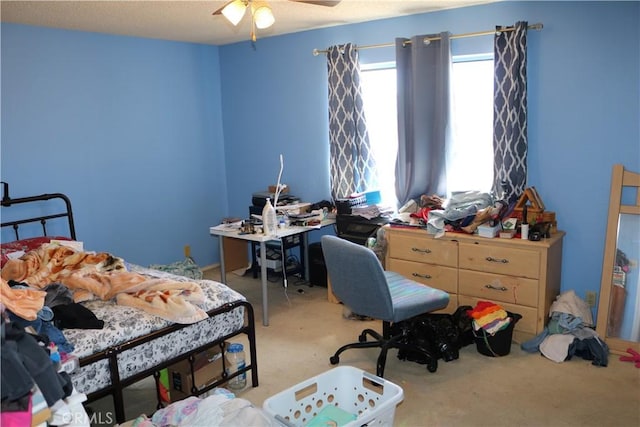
385, 343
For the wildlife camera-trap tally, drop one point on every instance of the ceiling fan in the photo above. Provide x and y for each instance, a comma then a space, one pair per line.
261, 14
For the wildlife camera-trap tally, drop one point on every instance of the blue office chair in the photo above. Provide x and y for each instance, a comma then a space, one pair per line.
360, 282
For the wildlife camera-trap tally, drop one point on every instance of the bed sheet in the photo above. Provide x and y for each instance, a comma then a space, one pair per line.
124, 323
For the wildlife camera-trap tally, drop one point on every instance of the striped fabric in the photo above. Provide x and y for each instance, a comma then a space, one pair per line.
412, 298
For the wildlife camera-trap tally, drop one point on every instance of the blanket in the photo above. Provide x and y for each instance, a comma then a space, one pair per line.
102, 276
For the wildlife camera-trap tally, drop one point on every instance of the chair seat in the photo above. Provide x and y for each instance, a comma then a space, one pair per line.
411, 298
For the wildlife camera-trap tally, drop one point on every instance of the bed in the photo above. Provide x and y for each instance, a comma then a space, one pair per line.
134, 344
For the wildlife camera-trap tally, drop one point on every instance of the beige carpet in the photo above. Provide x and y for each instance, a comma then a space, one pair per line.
520, 389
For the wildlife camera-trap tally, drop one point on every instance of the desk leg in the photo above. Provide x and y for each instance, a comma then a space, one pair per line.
263, 275
305, 255
223, 271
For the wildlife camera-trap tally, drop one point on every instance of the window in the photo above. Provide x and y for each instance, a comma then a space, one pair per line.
379, 98
471, 160
471, 155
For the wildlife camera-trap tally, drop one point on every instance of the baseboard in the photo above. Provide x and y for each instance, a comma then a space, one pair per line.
210, 267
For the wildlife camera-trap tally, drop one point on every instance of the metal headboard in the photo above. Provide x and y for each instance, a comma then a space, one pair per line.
7, 201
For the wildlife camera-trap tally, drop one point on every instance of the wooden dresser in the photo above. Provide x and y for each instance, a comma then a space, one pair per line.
520, 275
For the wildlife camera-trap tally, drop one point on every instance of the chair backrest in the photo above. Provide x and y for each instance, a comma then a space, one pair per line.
357, 277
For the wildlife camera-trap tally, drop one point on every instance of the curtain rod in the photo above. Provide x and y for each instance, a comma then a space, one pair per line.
537, 26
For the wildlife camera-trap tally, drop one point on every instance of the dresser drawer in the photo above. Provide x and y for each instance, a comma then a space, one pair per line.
436, 276
500, 259
425, 249
529, 315
496, 287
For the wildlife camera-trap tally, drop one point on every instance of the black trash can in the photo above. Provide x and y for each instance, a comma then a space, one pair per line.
317, 267
499, 344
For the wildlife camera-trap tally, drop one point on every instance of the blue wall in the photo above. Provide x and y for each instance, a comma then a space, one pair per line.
130, 129
140, 123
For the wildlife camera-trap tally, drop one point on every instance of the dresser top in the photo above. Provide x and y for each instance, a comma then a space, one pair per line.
474, 238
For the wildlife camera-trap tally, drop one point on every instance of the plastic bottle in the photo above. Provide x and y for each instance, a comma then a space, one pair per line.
235, 362
269, 219
524, 227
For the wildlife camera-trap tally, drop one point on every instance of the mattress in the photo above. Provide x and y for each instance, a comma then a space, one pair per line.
122, 323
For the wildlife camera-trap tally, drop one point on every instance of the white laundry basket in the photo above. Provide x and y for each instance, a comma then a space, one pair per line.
371, 399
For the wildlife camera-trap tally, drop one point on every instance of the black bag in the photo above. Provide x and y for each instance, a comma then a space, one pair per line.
441, 334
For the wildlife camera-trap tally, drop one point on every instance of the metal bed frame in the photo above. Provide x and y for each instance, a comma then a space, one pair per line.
111, 354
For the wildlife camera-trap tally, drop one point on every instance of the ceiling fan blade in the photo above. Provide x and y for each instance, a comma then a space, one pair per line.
318, 3
219, 11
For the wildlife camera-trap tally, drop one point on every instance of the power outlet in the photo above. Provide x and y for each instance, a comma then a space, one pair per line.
187, 251
591, 298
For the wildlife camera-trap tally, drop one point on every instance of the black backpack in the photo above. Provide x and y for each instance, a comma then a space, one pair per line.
443, 335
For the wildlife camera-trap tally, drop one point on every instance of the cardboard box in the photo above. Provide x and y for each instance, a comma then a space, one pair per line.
207, 367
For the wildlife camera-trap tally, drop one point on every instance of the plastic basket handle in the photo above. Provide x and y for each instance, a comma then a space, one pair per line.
284, 422
376, 381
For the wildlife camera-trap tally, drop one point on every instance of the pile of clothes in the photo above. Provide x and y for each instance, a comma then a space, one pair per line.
34, 388
465, 211
569, 333
489, 316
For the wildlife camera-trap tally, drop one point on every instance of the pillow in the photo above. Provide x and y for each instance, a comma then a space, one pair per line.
25, 245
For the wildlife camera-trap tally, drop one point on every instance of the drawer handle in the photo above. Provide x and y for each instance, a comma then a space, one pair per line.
492, 259
425, 251
424, 276
496, 288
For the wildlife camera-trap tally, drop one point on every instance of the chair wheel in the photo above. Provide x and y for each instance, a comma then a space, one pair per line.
432, 366
334, 360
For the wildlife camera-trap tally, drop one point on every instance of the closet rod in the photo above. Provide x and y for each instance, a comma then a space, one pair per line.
537, 26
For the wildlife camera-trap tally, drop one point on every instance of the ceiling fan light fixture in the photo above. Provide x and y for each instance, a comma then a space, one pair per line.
262, 14
234, 11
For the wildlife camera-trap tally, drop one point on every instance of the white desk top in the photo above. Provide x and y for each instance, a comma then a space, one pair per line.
232, 230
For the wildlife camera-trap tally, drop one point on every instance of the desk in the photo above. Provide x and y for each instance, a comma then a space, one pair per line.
225, 231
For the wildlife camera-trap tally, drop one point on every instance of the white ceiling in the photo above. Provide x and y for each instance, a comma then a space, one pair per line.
192, 21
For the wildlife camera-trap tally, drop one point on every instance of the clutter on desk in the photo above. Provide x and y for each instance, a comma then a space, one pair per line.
345, 206
290, 211
284, 189
250, 226
260, 199
230, 220
360, 201
326, 206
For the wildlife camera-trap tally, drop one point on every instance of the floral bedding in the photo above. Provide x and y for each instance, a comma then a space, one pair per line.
124, 323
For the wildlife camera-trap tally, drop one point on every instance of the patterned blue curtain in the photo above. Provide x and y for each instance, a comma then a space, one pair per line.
352, 163
510, 111
424, 115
